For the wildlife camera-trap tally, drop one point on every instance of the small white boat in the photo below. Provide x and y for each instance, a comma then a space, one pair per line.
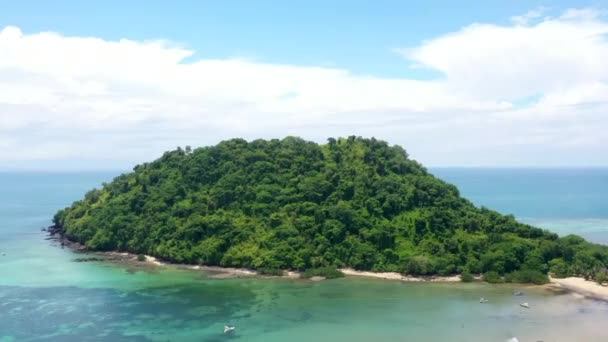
518, 293
228, 329
483, 300
513, 339
525, 305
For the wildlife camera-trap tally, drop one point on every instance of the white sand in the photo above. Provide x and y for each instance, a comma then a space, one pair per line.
153, 260
292, 275
398, 276
582, 286
222, 272
124, 255
577, 285
225, 272
230, 272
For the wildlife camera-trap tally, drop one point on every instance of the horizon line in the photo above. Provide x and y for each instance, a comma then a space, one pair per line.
430, 167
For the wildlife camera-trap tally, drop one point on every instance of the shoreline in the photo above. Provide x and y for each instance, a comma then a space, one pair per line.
219, 272
586, 288
399, 276
234, 272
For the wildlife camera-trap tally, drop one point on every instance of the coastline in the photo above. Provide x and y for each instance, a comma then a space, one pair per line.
399, 276
233, 272
220, 272
587, 288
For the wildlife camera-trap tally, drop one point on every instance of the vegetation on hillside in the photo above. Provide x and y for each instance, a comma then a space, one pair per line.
293, 204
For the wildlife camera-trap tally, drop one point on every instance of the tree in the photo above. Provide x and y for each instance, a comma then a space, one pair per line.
294, 204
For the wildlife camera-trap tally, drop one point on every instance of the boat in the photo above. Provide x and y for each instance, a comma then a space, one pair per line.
228, 329
525, 305
483, 300
518, 293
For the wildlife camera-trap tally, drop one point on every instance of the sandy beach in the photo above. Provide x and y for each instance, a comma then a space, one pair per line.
577, 285
584, 287
398, 276
232, 272
218, 272
153, 260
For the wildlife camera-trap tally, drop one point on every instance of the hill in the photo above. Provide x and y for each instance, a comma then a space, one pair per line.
293, 204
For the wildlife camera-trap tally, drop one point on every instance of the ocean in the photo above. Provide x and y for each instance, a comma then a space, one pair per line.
46, 296
566, 201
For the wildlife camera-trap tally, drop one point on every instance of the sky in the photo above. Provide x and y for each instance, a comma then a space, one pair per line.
108, 85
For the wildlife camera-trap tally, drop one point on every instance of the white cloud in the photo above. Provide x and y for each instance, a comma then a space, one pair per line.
531, 15
121, 102
511, 62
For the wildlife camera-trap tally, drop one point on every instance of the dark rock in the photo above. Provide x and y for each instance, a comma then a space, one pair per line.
87, 259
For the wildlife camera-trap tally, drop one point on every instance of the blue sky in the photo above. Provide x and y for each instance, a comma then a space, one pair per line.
426, 75
356, 35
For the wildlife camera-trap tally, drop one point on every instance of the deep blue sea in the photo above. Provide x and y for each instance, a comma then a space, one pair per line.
566, 201
46, 296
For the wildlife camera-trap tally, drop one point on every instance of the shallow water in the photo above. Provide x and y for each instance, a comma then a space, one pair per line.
271, 310
45, 296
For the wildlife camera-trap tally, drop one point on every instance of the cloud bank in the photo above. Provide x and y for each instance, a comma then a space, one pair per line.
533, 92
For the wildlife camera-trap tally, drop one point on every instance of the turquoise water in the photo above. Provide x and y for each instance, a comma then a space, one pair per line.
45, 296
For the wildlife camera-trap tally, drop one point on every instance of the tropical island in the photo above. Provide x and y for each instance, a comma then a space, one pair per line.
291, 204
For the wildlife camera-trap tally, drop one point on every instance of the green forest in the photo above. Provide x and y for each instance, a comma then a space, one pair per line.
298, 205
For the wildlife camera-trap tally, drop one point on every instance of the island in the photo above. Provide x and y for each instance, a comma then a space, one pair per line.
290, 204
